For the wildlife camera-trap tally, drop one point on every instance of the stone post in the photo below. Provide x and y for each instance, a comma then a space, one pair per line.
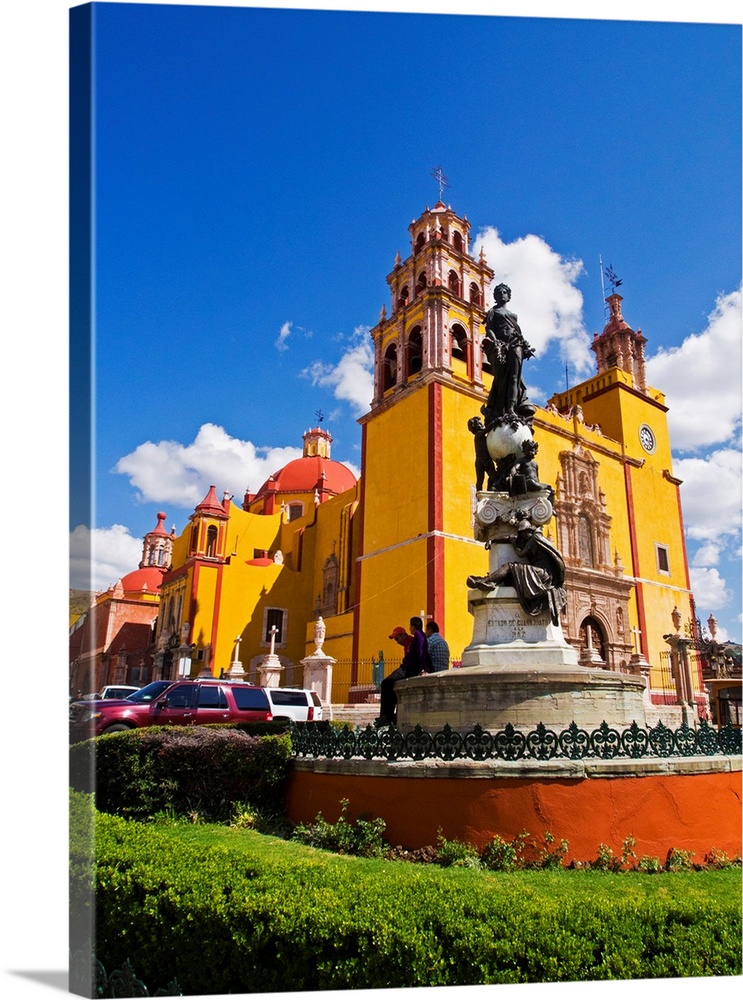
318, 668
639, 665
235, 671
681, 670
269, 670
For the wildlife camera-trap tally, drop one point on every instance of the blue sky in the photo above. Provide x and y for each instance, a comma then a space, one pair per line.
256, 171
615, 142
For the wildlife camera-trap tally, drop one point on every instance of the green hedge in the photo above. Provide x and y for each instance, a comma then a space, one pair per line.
226, 914
199, 769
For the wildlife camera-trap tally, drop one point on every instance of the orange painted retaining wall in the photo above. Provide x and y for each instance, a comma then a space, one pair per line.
663, 807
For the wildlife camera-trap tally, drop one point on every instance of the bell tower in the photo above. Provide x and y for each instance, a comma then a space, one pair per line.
428, 382
619, 346
438, 299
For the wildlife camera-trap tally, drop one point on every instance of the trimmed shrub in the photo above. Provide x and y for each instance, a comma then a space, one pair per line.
197, 771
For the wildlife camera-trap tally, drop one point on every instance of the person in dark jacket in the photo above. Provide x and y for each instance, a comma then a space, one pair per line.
417, 660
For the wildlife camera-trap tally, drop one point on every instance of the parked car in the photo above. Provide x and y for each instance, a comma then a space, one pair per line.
171, 703
118, 691
295, 704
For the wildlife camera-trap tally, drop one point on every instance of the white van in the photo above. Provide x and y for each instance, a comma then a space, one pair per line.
296, 704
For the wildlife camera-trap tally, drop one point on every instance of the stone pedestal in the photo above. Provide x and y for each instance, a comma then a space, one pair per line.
269, 671
504, 635
235, 671
318, 676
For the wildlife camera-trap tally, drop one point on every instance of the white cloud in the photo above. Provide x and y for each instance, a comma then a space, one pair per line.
711, 495
100, 557
544, 296
170, 472
709, 588
536, 395
352, 379
702, 379
707, 554
284, 333
722, 633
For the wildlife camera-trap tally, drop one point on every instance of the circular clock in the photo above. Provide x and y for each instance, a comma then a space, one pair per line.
647, 439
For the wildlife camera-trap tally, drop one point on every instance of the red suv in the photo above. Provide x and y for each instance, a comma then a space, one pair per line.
171, 703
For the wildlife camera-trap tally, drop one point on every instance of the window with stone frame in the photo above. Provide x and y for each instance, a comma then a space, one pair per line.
274, 617
662, 559
294, 510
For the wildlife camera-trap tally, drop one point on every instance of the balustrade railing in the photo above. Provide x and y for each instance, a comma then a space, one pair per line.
510, 744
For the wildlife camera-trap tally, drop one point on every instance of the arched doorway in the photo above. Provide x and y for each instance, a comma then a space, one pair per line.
592, 640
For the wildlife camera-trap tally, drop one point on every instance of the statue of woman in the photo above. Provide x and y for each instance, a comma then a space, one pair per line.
505, 348
319, 633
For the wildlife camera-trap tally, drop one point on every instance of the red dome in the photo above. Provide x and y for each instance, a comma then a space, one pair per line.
135, 582
303, 475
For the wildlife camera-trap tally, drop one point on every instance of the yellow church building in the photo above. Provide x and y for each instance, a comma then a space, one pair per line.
366, 555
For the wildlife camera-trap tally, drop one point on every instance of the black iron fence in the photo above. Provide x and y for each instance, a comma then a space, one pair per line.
510, 744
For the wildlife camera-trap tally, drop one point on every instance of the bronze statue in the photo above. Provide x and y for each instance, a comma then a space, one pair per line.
506, 349
483, 462
538, 579
525, 475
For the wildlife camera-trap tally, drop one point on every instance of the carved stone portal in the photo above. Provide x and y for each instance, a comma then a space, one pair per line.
597, 589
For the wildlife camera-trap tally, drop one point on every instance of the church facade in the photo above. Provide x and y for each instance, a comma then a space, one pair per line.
368, 554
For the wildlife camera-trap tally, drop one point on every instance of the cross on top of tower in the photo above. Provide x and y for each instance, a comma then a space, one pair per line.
443, 182
614, 281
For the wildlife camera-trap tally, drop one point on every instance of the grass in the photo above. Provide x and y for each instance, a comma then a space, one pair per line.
701, 887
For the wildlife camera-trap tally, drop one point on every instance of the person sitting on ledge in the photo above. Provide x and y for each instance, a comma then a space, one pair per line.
416, 660
438, 647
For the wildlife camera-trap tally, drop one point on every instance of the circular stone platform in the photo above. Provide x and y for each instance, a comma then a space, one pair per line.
522, 695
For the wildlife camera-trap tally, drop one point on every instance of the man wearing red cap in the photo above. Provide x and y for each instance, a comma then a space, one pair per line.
416, 660
401, 637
